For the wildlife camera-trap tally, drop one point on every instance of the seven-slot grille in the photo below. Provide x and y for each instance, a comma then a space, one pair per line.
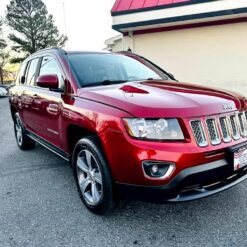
213, 131
220, 128
199, 133
243, 125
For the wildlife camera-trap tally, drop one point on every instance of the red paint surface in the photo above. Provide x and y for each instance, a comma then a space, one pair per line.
48, 81
125, 5
100, 110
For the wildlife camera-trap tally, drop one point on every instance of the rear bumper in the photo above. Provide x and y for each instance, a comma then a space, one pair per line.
190, 184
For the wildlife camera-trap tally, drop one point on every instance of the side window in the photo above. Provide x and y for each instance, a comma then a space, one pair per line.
21, 75
31, 74
49, 66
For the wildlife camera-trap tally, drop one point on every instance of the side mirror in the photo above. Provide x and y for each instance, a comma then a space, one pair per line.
48, 81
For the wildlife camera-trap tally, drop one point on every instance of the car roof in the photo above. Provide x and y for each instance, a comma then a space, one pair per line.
60, 51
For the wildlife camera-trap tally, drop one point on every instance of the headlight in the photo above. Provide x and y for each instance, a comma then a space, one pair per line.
154, 129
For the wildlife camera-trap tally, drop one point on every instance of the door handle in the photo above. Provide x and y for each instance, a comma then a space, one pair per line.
53, 108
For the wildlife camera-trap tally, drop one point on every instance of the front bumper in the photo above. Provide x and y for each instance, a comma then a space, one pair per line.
126, 156
190, 184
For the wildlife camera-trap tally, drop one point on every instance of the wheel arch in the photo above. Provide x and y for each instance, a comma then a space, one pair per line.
75, 133
13, 111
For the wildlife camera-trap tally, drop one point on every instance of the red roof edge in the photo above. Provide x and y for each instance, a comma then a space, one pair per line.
130, 5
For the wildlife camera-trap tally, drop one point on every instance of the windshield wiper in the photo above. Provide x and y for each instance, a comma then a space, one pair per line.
152, 79
105, 82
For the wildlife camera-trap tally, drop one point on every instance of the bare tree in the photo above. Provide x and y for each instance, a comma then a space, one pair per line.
4, 56
4, 59
2, 41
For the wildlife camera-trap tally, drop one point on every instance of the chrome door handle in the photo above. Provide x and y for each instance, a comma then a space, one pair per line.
52, 108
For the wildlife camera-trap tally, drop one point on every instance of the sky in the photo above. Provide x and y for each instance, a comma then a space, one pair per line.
88, 22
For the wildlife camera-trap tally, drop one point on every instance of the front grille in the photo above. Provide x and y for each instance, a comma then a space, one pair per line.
222, 128
213, 131
225, 129
243, 124
199, 133
234, 126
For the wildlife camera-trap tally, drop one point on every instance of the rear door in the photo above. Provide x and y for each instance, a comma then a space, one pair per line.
17, 91
28, 94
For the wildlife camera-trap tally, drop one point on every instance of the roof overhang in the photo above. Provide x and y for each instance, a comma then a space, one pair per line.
186, 15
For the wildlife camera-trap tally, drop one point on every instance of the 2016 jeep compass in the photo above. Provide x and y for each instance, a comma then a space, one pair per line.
128, 127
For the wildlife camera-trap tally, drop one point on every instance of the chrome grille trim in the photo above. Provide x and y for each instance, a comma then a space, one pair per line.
213, 131
222, 128
225, 131
234, 127
243, 124
199, 133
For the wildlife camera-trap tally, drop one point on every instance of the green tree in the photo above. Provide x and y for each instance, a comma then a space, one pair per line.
33, 28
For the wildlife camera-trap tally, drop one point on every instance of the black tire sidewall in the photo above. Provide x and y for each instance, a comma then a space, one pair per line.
108, 201
27, 143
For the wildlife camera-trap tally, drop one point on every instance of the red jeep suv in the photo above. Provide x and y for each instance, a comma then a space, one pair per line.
129, 128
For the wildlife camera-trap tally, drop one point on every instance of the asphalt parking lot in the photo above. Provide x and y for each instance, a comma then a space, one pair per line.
39, 206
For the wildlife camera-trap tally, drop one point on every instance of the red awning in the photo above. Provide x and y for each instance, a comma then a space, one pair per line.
129, 5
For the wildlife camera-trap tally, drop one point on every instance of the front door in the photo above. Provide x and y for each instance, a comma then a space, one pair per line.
47, 104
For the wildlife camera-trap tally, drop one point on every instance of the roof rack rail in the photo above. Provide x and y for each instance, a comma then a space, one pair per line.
50, 48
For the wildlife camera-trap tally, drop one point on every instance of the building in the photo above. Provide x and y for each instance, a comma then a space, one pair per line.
197, 41
115, 44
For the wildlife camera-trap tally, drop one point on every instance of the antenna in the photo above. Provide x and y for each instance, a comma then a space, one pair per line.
66, 45
64, 19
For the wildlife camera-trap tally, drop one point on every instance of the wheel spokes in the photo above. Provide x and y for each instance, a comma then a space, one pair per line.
84, 184
98, 178
88, 158
18, 131
89, 177
95, 193
81, 164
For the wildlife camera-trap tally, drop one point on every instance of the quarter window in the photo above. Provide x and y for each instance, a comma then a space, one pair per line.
31, 74
21, 75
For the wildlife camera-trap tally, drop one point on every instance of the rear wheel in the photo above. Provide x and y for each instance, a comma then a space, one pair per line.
22, 140
93, 177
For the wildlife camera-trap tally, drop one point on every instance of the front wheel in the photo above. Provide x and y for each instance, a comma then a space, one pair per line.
93, 177
22, 140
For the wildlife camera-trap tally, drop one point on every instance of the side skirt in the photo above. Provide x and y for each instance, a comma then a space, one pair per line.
60, 153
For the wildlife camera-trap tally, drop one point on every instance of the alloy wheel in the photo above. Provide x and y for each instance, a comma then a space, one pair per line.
18, 129
89, 177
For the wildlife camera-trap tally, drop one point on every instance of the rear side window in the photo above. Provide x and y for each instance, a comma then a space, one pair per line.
21, 75
31, 74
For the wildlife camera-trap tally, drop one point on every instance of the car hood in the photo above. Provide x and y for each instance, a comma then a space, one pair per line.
165, 99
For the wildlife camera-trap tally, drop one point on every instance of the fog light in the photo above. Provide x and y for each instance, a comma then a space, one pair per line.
158, 169
155, 169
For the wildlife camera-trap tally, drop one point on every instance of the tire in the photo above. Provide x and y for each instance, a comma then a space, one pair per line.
93, 177
22, 140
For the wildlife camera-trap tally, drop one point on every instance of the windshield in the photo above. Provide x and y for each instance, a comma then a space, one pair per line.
94, 69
